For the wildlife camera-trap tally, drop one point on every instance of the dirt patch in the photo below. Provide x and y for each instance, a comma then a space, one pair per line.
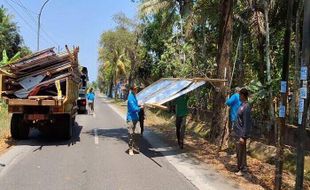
260, 175
6, 142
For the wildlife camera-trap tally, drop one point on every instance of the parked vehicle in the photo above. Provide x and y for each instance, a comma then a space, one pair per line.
41, 91
82, 102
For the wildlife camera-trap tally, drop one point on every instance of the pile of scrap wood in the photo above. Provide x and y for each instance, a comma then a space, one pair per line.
43, 73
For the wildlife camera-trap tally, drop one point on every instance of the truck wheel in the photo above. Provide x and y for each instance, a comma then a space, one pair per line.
64, 126
19, 129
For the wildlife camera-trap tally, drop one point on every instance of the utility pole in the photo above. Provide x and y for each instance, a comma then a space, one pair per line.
304, 97
284, 89
39, 25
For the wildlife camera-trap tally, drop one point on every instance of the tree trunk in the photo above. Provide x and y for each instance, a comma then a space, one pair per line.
285, 72
268, 66
297, 62
111, 87
223, 68
305, 122
187, 16
225, 135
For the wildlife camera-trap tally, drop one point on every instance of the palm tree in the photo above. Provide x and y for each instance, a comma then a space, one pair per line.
180, 7
115, 71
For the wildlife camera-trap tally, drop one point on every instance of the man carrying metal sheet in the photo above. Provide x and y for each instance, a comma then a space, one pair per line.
133, 110
181, 112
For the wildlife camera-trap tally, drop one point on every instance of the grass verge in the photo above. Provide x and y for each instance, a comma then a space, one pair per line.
4, 127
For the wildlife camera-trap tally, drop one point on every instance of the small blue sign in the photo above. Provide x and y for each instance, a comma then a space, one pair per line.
283, 86
282, 111
303, 73
303, 93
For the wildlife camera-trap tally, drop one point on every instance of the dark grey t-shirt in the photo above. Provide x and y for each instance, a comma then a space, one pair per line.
244, 121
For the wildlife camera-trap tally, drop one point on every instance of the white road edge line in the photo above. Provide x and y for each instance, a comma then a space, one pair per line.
96, 136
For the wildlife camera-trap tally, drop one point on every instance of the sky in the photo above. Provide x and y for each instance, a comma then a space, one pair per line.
72, 22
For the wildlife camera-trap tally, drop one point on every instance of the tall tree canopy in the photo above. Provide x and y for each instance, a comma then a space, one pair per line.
10, 39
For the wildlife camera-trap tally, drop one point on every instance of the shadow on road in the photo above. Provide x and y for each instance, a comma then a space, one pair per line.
37, 138
120, 134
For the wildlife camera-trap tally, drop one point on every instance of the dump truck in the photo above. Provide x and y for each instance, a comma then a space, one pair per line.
41, 91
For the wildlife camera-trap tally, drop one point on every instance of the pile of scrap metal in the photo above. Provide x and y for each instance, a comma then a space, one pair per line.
43, 73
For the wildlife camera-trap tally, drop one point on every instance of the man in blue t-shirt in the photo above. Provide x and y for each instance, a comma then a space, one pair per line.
91, 99
133, 110
234, 103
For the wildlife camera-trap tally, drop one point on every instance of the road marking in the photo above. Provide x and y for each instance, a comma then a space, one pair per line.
96, 136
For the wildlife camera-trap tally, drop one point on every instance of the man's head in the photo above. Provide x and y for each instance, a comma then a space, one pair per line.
91, 90
133, 88
244, 94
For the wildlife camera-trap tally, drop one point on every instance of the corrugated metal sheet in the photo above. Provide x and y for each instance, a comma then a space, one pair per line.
166, 90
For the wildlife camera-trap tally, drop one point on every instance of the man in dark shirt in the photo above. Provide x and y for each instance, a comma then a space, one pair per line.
242, 131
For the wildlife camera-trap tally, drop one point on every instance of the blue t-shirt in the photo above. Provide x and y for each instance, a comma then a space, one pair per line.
91, 97
234, 103
132, 108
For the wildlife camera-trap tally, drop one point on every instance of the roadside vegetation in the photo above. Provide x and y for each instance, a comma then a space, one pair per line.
4, 126
4, 119
11, 48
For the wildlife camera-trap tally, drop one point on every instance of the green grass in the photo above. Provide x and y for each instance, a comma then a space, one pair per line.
4, 119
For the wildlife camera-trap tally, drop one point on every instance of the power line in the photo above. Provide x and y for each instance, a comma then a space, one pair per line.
20, 4
28, 12
47, 37
29, 25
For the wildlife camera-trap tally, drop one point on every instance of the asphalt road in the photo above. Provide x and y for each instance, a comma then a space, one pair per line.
95, 158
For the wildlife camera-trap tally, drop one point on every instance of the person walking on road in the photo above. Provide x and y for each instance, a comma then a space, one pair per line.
133, 110
242, 131
234, 103
91, 100
181, 111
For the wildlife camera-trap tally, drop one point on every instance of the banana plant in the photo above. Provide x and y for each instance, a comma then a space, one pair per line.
6, 60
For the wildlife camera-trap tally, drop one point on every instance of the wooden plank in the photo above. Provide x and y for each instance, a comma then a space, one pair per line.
1, 84
156, 106
40, 97
195, 79
210, 80
28, 102
7, 73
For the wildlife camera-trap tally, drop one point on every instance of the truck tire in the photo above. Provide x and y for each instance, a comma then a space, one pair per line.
19, 129
64, 126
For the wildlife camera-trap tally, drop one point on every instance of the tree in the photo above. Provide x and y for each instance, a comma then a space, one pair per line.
10, 40
114, 49
223, 67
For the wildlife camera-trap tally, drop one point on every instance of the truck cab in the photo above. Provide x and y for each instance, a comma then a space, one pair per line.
81, 101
